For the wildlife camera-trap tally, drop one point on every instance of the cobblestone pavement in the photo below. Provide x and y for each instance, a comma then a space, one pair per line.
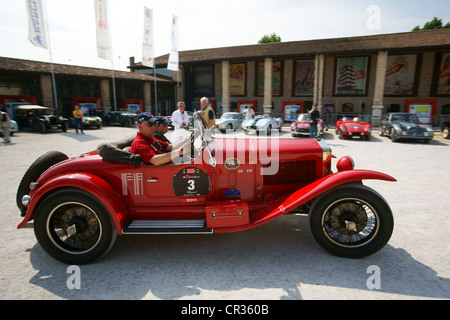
279, 260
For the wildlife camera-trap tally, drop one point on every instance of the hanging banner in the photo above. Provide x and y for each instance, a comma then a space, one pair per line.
101, 21
147, 46
173, 56
36, 23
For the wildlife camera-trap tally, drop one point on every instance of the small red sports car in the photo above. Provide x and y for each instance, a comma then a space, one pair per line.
353, 128
301, 127
78, 206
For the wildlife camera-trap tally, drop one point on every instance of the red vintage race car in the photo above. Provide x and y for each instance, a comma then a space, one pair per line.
78, 206
353, 128
301, 127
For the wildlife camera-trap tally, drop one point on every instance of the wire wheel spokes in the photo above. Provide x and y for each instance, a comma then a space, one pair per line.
74, 228
350, 222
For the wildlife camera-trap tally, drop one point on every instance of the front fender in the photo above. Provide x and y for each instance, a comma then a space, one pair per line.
93, 184
306, 194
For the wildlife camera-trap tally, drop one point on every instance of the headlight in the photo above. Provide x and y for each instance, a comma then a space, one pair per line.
345, 163
344, 129
26, 200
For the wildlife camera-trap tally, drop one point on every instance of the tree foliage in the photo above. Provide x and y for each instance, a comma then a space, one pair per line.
270, 38
436, 23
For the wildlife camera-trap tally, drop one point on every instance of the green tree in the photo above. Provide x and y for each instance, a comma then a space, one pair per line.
436, 23
270, 38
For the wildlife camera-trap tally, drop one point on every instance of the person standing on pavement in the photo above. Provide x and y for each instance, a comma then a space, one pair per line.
5, 122
315, 115
180, 121
208, 113
78, 118
249, 113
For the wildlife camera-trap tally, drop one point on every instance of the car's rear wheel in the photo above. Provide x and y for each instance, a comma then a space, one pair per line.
351, 221
73, 227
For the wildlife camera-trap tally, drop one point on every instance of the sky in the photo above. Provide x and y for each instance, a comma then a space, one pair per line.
202, 24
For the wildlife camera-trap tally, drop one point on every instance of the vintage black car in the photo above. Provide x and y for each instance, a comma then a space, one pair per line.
401, 125
122, 118
40, 119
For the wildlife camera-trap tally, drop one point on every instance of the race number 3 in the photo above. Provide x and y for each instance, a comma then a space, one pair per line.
191, 181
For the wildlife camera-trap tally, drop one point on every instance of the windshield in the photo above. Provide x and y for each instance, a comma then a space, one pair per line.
304, 116
229, 116
405, 117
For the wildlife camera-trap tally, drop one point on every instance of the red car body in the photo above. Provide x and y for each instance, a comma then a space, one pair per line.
353, 128
301, 127
260, 180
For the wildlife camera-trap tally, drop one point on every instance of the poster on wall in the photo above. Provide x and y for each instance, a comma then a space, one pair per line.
291, 112
443, 77
304, 78
351, 76
276, 78
423, 112
400, 75
237, 79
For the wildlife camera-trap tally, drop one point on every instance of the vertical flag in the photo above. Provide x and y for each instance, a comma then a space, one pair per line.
36, 29
101, 21
147, 46
173, 56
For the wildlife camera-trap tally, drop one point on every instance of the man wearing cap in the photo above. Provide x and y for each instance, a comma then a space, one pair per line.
162, 126
152, 150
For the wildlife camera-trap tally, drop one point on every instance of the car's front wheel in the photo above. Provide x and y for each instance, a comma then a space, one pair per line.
351, 221
73, 227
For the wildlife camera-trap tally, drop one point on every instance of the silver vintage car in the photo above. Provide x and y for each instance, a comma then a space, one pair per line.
264, 123
230, 121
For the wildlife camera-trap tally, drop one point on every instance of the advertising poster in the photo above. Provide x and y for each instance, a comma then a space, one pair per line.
304, 78
423, 112
237, 79
351, 76
443, 87
400, 75
291, 112
276, 78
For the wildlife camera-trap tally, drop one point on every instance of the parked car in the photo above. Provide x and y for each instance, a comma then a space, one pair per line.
264, 123
445, 129
79, 205
353, 128
400, 125
229, 121
40, 119
14, 128
122, 118
301, 127
89, 121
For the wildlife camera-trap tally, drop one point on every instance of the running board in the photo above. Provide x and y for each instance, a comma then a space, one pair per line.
167, 227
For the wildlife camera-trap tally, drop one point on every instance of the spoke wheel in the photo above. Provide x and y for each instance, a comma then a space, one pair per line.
73, 227
351, 221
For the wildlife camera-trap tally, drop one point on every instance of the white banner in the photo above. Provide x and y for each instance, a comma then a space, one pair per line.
36, 30
147, 46
101, 22
173, 56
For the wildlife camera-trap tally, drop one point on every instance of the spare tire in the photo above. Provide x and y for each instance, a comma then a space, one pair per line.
38, 167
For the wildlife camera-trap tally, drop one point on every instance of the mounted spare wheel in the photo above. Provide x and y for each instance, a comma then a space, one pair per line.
39, 166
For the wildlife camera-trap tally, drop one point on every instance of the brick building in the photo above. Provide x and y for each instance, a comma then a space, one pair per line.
367, 75
25, 81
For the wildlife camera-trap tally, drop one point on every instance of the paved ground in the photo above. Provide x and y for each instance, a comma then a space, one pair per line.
279, 260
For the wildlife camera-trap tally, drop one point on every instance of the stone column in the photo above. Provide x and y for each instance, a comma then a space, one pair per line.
268, 67
47, 91
226, 103
105, 94
318, 80
147, 97
377, 106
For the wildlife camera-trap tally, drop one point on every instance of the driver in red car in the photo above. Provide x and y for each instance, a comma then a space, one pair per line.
152, 150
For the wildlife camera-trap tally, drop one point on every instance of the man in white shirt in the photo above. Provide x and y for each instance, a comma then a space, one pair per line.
180, 121
249, 113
